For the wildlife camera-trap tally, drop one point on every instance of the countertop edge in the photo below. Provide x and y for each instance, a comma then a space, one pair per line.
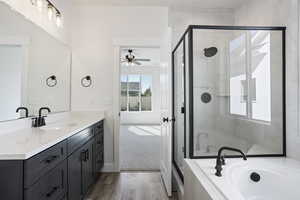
25, 156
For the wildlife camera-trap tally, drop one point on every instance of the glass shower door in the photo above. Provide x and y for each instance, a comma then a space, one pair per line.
179, 106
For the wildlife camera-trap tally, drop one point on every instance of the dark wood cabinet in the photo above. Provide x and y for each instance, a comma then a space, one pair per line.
74, 175
40, 164
65, 171
84, 164
52, 186
11, 179
87, 167
80, 176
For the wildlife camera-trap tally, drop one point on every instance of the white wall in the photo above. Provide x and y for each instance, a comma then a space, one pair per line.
94, 31
181, 19
280, 13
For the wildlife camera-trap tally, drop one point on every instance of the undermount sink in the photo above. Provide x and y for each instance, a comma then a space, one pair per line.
58, 126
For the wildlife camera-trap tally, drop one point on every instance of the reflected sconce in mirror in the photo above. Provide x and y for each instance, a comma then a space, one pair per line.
86, 81
51, 81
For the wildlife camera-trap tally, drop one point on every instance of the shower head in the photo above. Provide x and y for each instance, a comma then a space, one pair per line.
210, 52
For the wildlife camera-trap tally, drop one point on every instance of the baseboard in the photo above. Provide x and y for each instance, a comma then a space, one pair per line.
108, 167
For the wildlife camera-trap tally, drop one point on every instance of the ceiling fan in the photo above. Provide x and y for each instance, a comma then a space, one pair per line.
130, 58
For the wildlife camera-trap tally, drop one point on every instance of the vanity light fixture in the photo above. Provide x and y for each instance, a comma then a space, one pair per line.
39, 4
58, 20
86, 81
52, 11
51, 81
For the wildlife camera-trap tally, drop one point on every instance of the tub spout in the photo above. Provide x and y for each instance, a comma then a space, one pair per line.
220, 159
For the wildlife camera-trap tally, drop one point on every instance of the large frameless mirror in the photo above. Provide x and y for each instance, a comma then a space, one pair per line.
34, 67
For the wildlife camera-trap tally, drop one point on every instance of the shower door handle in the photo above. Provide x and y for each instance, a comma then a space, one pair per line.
165, 119
182, 110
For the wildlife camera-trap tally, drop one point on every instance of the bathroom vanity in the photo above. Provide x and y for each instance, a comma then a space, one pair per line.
51, 162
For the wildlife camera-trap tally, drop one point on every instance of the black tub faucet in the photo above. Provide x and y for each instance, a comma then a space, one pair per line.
23, 108
221, 160
40, 120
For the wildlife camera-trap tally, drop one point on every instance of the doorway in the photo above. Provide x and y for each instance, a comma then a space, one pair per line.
139, 144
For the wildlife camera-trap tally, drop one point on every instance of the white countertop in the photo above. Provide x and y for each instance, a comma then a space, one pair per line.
24, 143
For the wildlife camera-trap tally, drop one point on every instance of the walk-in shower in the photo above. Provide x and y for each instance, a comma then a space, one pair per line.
228, 90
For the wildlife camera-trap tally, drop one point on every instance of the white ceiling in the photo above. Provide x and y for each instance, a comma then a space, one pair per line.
202, 4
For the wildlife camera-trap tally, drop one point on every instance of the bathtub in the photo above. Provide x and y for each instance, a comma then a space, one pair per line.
279, 179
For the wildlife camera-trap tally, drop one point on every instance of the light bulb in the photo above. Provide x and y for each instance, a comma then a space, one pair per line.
58, 20
39, 4
50, 12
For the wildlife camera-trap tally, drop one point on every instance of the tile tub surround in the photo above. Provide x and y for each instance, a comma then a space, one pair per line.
25, 142
235, 183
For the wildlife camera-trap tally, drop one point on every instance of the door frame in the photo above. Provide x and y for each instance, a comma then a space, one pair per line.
118, 44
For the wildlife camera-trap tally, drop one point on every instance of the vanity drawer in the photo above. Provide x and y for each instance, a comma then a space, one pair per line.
40, 164
99, 128
79, 139
52, 186
99, 141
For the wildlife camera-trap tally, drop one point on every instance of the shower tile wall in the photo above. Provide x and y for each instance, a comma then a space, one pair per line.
211, 128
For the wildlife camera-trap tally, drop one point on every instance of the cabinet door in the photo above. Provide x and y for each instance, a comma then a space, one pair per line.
52, 186
87, 167
11, 181
74, 175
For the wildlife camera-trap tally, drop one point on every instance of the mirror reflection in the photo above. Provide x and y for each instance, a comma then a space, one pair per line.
34, 68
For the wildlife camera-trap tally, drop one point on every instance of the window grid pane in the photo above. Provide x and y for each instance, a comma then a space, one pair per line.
146, 93
136, 93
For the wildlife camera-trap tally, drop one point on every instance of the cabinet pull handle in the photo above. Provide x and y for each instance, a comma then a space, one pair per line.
54, 189
83, 155
50, 159
87, 155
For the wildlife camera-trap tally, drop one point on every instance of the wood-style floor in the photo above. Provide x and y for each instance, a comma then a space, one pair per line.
129, 186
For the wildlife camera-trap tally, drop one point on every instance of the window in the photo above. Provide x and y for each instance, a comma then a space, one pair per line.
136, 93
250, 75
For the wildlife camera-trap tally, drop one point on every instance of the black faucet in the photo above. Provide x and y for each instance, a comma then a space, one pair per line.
221, 160
23, 108
40, 120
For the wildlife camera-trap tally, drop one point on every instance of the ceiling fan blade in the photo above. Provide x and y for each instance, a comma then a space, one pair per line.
143, 59
137, 63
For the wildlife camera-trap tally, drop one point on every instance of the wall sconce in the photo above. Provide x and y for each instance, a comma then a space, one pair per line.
51, 81
86, 81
